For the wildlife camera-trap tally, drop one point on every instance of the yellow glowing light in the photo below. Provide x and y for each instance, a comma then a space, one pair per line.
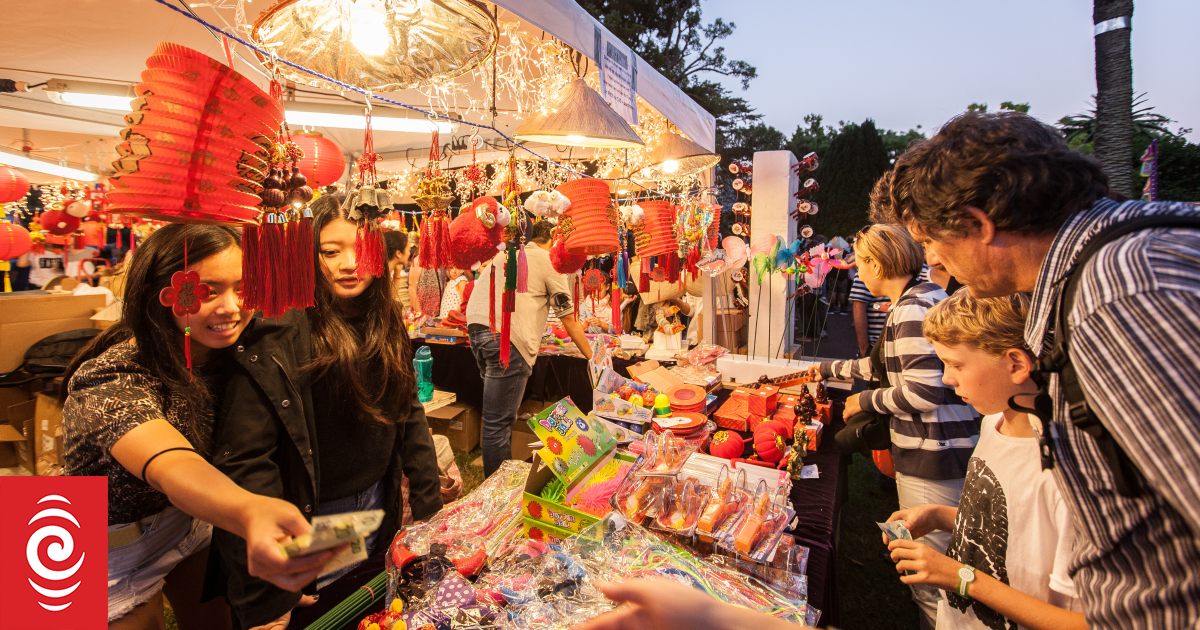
670, 166
576, 139
367, 32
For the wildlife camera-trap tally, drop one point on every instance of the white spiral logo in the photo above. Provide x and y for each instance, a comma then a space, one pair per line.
58, 551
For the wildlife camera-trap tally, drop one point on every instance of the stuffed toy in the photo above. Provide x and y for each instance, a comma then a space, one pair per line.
477, 233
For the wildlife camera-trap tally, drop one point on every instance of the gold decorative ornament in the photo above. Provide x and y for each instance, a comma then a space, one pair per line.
377, 45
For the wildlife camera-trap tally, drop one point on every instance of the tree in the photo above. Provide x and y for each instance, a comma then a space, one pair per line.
855, 160
1080, 129
1178, 168
1114, 92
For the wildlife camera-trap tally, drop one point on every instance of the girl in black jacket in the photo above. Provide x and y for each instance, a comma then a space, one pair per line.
321, 410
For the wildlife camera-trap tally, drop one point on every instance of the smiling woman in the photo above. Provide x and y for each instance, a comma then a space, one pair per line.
131, 401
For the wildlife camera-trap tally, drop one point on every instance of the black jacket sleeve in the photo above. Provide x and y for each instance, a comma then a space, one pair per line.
247, 440
419, 458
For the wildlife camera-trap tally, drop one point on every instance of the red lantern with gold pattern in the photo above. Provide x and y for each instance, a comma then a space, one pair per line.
13, 184
14, 241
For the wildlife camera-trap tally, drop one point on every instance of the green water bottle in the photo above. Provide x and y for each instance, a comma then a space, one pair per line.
423, 367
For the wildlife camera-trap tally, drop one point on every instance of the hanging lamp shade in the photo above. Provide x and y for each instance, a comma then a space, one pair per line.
580, 118
323, 162
377, 45
13, 184
676, 156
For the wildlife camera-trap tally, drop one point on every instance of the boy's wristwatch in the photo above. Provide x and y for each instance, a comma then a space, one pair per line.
966, 576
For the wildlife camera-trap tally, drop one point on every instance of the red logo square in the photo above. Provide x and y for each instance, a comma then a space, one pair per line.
54, 550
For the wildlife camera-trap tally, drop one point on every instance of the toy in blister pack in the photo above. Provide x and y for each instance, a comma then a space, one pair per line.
726, 497
755, 533
664, 454
680, 506
637, 495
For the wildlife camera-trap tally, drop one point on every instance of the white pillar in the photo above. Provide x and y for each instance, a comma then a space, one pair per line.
774, 184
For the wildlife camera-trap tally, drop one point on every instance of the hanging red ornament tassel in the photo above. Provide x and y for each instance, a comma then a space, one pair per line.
644, 276
119, 246
252, 290
492, 299
615, 302
575, 294
368, 249
302, 252
273, 247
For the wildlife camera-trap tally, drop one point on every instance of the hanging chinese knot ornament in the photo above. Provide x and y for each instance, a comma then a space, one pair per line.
277, 249
184, 297
366, 207
434, 198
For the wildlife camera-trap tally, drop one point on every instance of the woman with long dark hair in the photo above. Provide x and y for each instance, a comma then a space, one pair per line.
135, 413
321, 410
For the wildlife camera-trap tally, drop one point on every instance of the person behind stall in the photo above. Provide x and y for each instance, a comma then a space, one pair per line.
397, 263
425, 289
135, 414
1013, 535
452, 295
45, 266
321, 410
1008, 207
504, 385
932, 431
596, 312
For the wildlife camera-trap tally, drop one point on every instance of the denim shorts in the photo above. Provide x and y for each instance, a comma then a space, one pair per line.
369, 499
136, 570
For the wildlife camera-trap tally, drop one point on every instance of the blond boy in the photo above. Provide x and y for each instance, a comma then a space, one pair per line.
1012, 535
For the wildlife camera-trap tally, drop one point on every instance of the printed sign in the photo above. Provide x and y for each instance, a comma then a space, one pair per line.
54, 553
618, 75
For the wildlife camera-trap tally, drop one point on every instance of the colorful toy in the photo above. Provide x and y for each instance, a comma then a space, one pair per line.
662, 406
636, 400
724, 498
679, 511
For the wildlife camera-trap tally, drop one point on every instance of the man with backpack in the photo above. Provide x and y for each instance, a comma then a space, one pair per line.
1115, 321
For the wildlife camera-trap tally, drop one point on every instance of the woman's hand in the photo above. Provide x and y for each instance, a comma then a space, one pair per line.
268, 522
814, 374
930, 567
919, 520
852, 407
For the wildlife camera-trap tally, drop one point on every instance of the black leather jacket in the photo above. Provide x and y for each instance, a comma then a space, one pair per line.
266, 442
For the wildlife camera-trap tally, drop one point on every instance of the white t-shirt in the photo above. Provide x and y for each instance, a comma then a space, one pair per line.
1013, 525
44, 267
451, 298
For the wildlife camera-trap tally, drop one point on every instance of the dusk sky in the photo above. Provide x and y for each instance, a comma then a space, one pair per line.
905, 64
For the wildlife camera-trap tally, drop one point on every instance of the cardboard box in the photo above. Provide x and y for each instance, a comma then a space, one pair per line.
30, 318
538, 530
753, 420
656, 376
47, 424
10, 438
574, 445
824, 412
613, 407
461, 424
815, 430
553, 513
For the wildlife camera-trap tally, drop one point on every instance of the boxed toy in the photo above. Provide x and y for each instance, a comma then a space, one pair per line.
612, 407
573, 444
546, 499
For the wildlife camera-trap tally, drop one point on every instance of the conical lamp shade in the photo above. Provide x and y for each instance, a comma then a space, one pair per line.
676, 156
580, 118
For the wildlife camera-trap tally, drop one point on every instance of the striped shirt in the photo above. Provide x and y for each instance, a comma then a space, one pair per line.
933, 430
1135, 344
875, 316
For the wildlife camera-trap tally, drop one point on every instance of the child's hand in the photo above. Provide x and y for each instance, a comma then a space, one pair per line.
853, 408
814, 374
929, 566
919, 520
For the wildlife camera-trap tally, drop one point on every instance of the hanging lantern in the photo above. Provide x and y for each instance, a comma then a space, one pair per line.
13, 184
660, 219
59, 223
95, 234
323, 162
376, 45
589, 226
14, 241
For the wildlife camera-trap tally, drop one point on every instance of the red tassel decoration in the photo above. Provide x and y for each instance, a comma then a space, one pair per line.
510, 302
575, 296
302, 256
252, 279
273, 248
506, 340
368, 250
187, 346
492, 300
119, 246
644, 277
522, 272
616, 310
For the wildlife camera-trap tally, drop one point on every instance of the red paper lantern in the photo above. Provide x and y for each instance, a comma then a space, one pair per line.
95, 234
768, 441
14, 241
13, 184
58, 223
323, 162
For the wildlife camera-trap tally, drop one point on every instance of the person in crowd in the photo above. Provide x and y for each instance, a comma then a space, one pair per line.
839, 281
870, 312
596, 312
397, 263
321, 410
933, 431
425, 289
18, 272
134, 413
1008, 207
1012, 532
504, 385
45, 266
936, 273
452, 295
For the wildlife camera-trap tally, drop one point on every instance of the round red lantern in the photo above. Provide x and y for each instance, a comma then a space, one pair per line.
323, 162
13, 184
768, 441
58, 223
14, 241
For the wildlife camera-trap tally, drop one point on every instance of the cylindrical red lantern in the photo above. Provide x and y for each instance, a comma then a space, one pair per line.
94, 234
14, 241
323, 163
13, 184
58, 223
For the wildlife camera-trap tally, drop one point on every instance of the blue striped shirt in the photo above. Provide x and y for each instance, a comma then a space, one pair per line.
1136, 348
933, 431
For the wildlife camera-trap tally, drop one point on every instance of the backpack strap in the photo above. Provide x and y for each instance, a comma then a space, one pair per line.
1058, 360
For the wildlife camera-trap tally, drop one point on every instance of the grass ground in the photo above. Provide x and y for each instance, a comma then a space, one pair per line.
873, 597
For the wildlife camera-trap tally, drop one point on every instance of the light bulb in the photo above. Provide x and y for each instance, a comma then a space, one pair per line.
576, 139
670, 166
368, 33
